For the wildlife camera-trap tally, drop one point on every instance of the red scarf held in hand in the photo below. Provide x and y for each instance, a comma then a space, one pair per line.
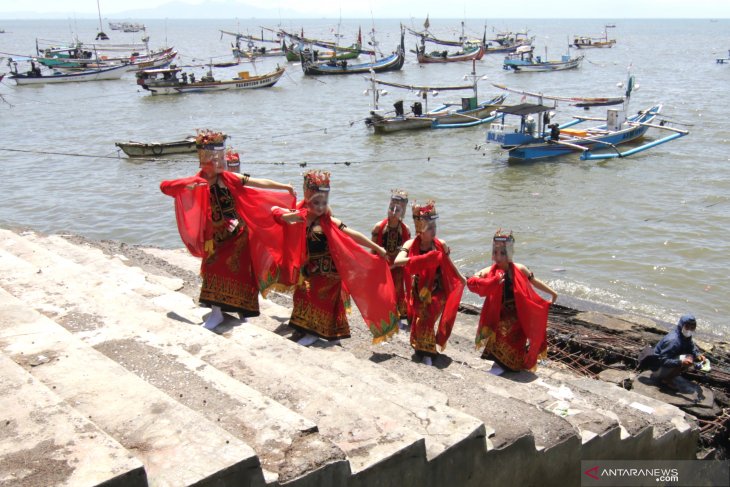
424, 266
365, 276
266, 240
532, 310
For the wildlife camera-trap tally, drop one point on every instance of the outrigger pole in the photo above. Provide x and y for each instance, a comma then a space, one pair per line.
587, 156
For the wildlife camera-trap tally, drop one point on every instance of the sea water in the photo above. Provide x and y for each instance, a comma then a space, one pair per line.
648, 235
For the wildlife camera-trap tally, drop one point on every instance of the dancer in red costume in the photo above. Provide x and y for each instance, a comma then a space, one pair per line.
327, 258
391, 234
221, 219
513, 321
433, 284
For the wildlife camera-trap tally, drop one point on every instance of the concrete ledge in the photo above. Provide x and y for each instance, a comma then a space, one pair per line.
176, 445
45, 442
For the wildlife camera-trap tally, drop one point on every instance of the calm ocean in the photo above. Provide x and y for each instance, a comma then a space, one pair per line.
648, 235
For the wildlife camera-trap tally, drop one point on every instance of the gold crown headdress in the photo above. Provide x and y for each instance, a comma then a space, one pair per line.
399, 195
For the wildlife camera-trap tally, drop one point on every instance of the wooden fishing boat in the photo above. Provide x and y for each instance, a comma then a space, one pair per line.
154, 149
470, 52
35, 76
723, 60
394, 62
507, 42
586, 42
296, 51
522, 60
426, 36
468, 113
166, 81
536, 138
87, 60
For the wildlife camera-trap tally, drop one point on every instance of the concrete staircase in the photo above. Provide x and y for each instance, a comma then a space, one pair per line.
107, 378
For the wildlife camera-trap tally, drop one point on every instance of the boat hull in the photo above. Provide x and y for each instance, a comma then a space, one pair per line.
543, 66
163, 87
393, 62
439, 118
142, 149
426, 58
115, 72
596, 138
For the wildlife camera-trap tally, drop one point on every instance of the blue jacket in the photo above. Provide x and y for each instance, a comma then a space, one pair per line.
672, 346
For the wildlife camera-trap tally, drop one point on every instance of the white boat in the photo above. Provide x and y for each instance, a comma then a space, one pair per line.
166, 81
147, 149
35, 77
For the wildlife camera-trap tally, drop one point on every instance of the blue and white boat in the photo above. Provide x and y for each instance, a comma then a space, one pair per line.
536, 138
523, 60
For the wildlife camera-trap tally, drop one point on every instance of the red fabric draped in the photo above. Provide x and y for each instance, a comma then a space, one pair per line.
365, 276
426, 270
266, 238
532, 310
192, 211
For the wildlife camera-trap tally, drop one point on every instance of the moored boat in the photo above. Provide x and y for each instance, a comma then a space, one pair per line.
468, 113
586, 42
147, 149
522, 60
394, 62
166, 82
469, 52
35, 76
536, 138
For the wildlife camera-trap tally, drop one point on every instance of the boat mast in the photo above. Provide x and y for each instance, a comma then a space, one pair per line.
101, 36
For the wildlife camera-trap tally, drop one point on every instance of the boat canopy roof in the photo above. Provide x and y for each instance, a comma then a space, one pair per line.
525, 109
161, 70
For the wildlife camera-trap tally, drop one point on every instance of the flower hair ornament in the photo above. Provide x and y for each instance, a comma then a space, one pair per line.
211, 150
315, 181
233, 160
424, 216
209, 138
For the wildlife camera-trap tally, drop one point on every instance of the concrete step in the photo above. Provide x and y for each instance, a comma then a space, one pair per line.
115, 319
557, 440
43, 441
176, 445
445, 428
585, 422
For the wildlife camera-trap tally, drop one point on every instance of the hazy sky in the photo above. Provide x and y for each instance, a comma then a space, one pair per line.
408, 8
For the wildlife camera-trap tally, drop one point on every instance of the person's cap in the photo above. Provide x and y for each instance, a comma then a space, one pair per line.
688, 320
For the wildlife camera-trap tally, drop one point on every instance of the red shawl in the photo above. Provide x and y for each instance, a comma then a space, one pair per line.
532, 310
405, 234
365, 276
425, 266
192, 211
